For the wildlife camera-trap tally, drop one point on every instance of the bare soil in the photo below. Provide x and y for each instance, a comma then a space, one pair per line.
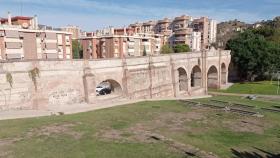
55, 129
146, 132
248, 124
4, 147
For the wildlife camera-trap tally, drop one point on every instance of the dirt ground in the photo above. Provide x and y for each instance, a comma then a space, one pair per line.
55, 129
49, 130
197, 120
249, 124
4, 147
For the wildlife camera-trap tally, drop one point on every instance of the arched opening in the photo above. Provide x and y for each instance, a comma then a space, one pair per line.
212, 77
183, 79
223, 74
108, 87
196, 77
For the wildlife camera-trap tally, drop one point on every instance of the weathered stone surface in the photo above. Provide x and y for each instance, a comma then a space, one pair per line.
74, 81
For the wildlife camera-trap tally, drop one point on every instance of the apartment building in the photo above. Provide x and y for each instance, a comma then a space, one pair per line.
23, 21
163, 27
20, 39
181, 30
75, 30
117, 43
124, 31
213, 31
195, 44
146, 27
208, 29
202, 25
149, 37
181, 22
137, 27
149, 27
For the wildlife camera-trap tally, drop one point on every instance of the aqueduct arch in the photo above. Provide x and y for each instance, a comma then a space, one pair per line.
196, 77
183, 79
113, 85
212, 77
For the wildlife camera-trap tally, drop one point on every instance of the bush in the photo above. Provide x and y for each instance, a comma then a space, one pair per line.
166, 49
179, 48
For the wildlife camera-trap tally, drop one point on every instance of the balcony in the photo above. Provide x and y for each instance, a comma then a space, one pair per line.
185, 31
180, 38
14, 51
150, 23
182, 18
166, 20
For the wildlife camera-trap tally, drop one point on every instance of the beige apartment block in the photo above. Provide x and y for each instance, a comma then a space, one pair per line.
146, 27
20, 39
149, 27
181, 22
137, 27
163, 27
22, 44
202, 25
75, 30
182, 36
212, 31
196, 41
181, 30
149, 37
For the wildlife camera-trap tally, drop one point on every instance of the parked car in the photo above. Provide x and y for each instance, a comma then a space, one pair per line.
103, 90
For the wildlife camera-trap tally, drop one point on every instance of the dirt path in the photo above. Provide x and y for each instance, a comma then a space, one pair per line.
76, 108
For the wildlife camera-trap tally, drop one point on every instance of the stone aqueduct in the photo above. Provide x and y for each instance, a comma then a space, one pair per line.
74, 81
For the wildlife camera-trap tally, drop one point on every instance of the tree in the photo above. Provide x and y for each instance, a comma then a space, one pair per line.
270, 33
166, 49
253, 55
270, 30
77, 49
274, 55
179, 48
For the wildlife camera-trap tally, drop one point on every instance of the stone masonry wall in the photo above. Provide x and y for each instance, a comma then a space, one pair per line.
74, 81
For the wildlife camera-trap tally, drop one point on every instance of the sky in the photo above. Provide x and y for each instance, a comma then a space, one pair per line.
97, 14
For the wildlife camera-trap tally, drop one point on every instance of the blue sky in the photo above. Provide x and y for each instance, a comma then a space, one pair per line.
95, 14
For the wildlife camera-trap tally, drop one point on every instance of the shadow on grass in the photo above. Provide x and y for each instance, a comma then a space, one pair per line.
245, 154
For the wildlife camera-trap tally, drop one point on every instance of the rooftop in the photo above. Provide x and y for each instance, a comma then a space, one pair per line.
16, 18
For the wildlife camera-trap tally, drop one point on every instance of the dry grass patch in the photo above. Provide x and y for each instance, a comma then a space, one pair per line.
249, 124
55, 129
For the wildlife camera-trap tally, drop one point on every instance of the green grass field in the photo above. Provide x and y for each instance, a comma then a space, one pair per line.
264, 87
118, 132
